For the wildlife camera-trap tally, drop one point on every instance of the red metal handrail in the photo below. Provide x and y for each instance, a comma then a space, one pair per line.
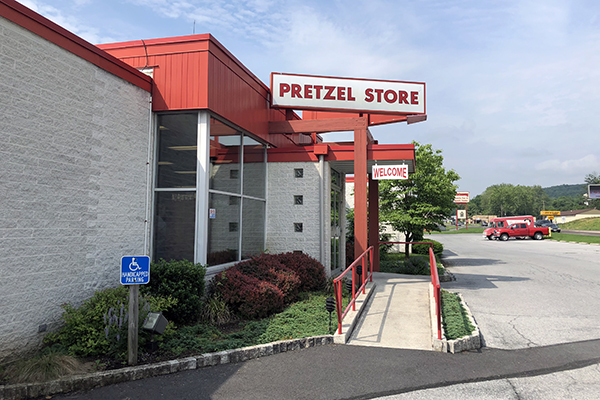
337, 284
435, 282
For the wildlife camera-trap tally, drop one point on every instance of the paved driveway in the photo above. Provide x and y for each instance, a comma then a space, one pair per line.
526, 293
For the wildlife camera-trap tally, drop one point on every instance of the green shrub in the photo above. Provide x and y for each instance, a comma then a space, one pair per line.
455, 320
438, 248
181, 280
415, 265
99, 326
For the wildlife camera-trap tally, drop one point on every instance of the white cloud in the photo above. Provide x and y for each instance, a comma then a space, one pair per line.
584, 164
69, 22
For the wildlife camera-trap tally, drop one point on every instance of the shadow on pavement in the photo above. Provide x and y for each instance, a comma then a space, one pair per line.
476, 281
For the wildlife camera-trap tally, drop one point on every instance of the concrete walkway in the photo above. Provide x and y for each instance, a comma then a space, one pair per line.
397, 314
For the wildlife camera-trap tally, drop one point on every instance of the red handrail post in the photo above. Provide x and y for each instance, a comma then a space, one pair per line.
371, 265
338, 294
362, 276
354, 287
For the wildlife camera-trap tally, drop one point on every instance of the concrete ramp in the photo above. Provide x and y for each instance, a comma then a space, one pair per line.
397, 314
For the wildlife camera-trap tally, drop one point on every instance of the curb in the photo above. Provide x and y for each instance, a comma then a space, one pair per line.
98, 379
351, 319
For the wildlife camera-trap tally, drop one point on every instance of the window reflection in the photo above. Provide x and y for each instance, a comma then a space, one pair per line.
177, 147
174, 225
254, 168
224, 157
223, 230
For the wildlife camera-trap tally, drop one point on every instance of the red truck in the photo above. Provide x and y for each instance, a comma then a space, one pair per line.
522, 228
504, 222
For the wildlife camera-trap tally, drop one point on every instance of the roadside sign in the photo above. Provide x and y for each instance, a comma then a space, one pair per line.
549, 212
461, 198
593, 191
135, 270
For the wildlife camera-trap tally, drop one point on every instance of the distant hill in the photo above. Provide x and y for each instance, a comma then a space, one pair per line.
566, 190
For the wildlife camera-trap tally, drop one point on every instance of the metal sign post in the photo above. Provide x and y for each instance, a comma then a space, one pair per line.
462, 198
135, 271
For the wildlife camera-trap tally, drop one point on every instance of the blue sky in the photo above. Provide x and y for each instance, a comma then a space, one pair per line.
513, 87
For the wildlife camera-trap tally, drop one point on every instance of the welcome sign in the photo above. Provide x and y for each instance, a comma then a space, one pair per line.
380, 172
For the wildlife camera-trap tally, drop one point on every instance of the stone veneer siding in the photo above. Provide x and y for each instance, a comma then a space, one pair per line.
282, 213
73, 182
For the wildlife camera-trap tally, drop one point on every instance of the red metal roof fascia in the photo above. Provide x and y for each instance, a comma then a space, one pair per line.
374, 119
156, 47
56, 34
378, 152
186, 44
292, 154
391, 152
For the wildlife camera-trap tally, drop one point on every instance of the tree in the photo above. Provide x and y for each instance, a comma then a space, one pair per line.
474, 206
564, 203
421, 202
506, 199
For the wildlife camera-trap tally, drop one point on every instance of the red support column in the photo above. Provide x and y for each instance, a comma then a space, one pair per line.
360, 192
374, 220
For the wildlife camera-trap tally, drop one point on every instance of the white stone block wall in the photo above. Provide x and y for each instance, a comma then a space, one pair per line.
282, 213
73, 146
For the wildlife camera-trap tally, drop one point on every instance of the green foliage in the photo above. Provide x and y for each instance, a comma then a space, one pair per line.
87, 330
571, 191
415, 265
423, 201
216, 312
302, 319
565, 203
181, 280
438, 248
506, 199
455, 320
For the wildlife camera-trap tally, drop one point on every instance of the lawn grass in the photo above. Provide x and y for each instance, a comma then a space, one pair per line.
585, 224
452, 230
567, 237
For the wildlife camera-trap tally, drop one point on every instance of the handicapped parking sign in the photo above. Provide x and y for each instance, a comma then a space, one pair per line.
135, 270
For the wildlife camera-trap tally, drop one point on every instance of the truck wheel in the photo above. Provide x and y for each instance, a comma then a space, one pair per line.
489, 237
538, 236
504, 237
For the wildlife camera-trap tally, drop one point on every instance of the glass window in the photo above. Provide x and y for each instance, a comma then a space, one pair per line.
225, 145
253, 228
223, 234
174, 225
236, 175
177, 147
254, 168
